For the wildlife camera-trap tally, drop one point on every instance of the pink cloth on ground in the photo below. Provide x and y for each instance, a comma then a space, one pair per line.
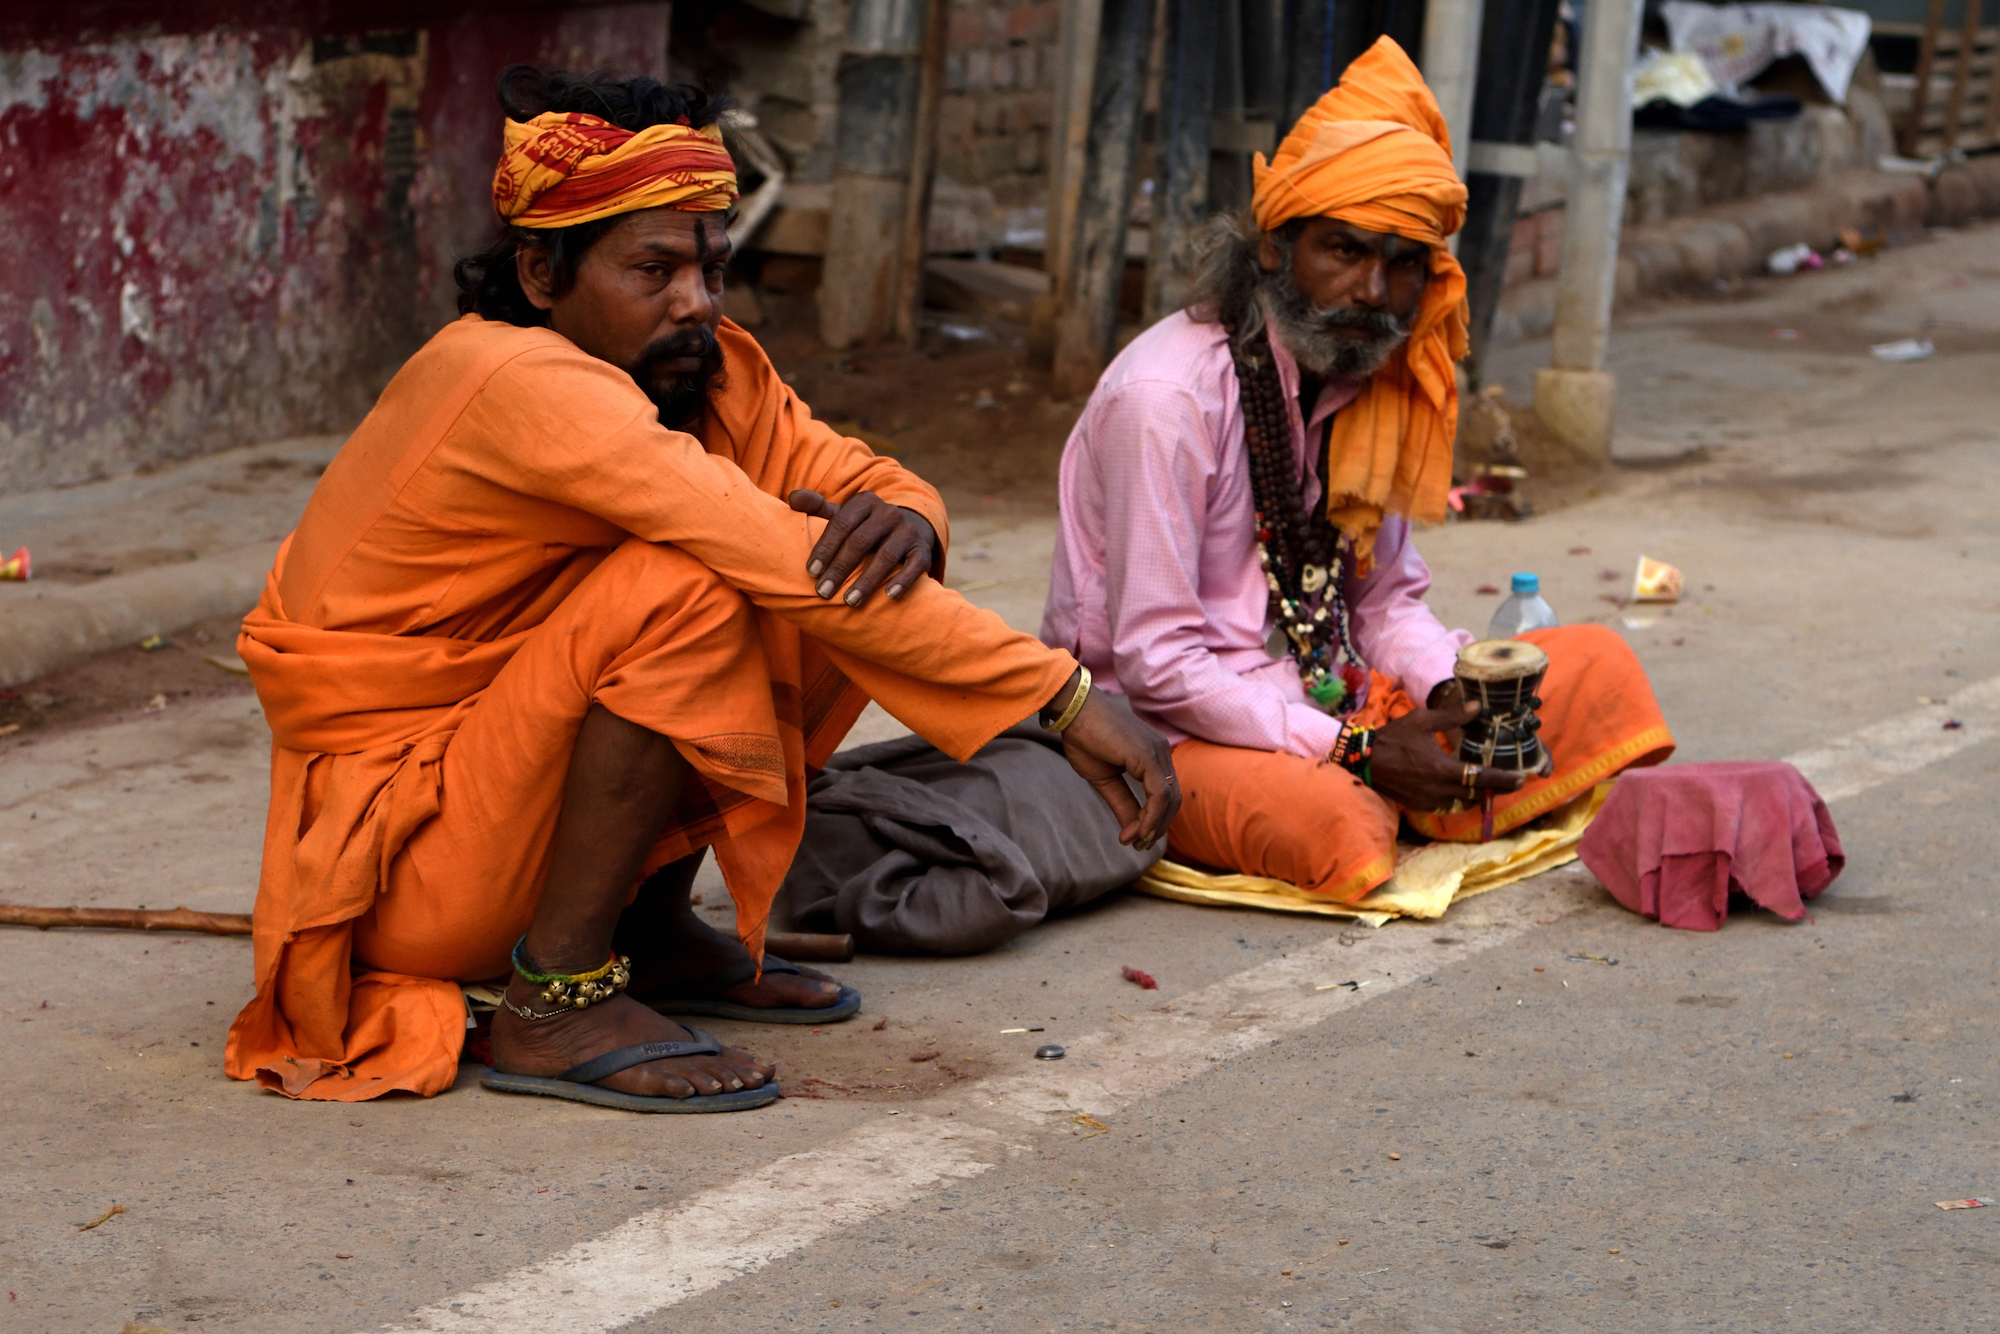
1673, 842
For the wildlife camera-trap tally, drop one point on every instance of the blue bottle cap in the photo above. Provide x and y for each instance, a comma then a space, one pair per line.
1527, 583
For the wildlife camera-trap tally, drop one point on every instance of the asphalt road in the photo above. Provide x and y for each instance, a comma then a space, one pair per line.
1744, 1130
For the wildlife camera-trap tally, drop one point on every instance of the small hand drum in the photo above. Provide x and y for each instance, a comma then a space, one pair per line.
1502, 675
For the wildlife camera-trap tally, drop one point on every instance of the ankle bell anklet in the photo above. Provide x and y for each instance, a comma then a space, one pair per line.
568, 991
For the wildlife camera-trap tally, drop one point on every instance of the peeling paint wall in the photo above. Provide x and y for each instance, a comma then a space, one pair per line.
239, 234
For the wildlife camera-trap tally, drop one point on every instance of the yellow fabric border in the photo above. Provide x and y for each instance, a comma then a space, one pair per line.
1432, 825
1427, 879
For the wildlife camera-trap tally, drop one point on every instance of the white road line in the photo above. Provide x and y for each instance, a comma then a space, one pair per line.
1904, 744
667, 1255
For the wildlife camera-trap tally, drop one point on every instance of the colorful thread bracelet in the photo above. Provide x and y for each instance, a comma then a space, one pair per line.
1353, 748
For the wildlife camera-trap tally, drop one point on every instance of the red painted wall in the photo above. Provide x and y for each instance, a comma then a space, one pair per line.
237, 234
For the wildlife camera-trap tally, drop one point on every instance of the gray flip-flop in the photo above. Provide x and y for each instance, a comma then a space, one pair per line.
707, 1004
579, 1082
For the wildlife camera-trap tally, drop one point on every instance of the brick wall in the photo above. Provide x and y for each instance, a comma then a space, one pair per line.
993, 120
1535, 250
236, 233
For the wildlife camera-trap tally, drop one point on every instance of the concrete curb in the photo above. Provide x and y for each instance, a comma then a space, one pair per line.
1732, 241
47, 626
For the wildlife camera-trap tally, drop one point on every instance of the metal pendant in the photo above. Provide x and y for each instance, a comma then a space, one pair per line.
1312, 578
1275, 643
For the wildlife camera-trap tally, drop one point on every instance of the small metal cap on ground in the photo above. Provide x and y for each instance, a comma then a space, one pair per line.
1049, 1052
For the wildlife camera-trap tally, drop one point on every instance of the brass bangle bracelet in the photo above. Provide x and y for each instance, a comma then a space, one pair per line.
1076, 702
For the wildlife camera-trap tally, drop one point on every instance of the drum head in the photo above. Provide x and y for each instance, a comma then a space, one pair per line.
1500, 660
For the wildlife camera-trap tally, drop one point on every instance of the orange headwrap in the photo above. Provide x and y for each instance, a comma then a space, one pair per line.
1374, 152
563, 168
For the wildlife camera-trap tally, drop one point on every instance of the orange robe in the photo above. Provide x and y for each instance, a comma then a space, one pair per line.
508, 537
1313, 824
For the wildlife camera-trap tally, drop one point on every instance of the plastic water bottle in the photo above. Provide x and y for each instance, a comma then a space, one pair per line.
1524, 610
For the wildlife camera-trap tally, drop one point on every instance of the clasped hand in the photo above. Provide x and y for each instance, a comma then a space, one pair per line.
887, 543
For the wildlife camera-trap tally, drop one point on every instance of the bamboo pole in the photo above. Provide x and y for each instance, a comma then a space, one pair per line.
1913, 130
923, 173
808, 946
1962, 76
129, 919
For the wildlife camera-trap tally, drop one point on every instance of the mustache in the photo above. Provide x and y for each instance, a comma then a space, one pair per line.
699, 342
1369, 323
680, 398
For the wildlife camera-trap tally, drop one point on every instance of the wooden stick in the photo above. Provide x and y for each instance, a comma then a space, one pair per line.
798, 945
129, 919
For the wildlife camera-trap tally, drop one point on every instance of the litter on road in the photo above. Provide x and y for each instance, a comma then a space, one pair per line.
1975, 1203
1903, 349
1144, 980
1049, 1052
102, 1218
17, 568
1656, 581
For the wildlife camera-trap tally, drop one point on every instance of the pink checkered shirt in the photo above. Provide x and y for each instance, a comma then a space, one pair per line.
1155, 585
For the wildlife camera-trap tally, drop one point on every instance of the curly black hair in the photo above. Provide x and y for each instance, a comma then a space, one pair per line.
488, 282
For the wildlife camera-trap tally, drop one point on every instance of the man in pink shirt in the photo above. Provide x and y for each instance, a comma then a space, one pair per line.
1277, 633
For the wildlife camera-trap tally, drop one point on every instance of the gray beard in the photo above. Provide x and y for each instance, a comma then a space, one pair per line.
1313, 336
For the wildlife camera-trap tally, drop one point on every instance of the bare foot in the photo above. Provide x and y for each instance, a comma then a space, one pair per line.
551, 1046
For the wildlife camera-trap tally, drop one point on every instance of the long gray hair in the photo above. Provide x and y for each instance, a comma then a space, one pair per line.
1227, 277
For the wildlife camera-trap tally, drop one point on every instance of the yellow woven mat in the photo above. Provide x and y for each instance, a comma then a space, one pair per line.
1429, 877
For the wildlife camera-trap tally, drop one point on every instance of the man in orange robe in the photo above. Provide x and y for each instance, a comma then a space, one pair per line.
1237, 501
567, 610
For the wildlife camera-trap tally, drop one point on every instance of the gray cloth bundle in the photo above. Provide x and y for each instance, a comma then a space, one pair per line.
915, 853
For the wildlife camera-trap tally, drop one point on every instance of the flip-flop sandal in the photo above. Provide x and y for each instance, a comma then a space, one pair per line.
701, 996
579, 1082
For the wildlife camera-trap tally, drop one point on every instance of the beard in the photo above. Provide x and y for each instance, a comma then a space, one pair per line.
1339, 341
680, 398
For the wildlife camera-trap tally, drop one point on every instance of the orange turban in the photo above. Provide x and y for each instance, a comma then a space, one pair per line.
564, 168
1374, 152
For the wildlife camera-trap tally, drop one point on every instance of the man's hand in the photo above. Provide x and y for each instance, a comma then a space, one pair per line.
899, 546
1410, 769
1104, 743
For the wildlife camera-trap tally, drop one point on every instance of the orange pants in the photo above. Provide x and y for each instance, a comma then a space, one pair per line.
659, 640
1314, 825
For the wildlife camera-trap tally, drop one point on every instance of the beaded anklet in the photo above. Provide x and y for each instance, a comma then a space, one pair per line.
568, 991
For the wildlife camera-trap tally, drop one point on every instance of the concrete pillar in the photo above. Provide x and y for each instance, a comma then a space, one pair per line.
880, 79
1575, 397
1451, 66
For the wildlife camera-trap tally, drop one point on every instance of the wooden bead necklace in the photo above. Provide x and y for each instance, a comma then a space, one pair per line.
1305, 559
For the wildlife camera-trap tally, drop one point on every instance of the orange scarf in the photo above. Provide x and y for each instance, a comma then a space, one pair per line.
1374, 152
564, 168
